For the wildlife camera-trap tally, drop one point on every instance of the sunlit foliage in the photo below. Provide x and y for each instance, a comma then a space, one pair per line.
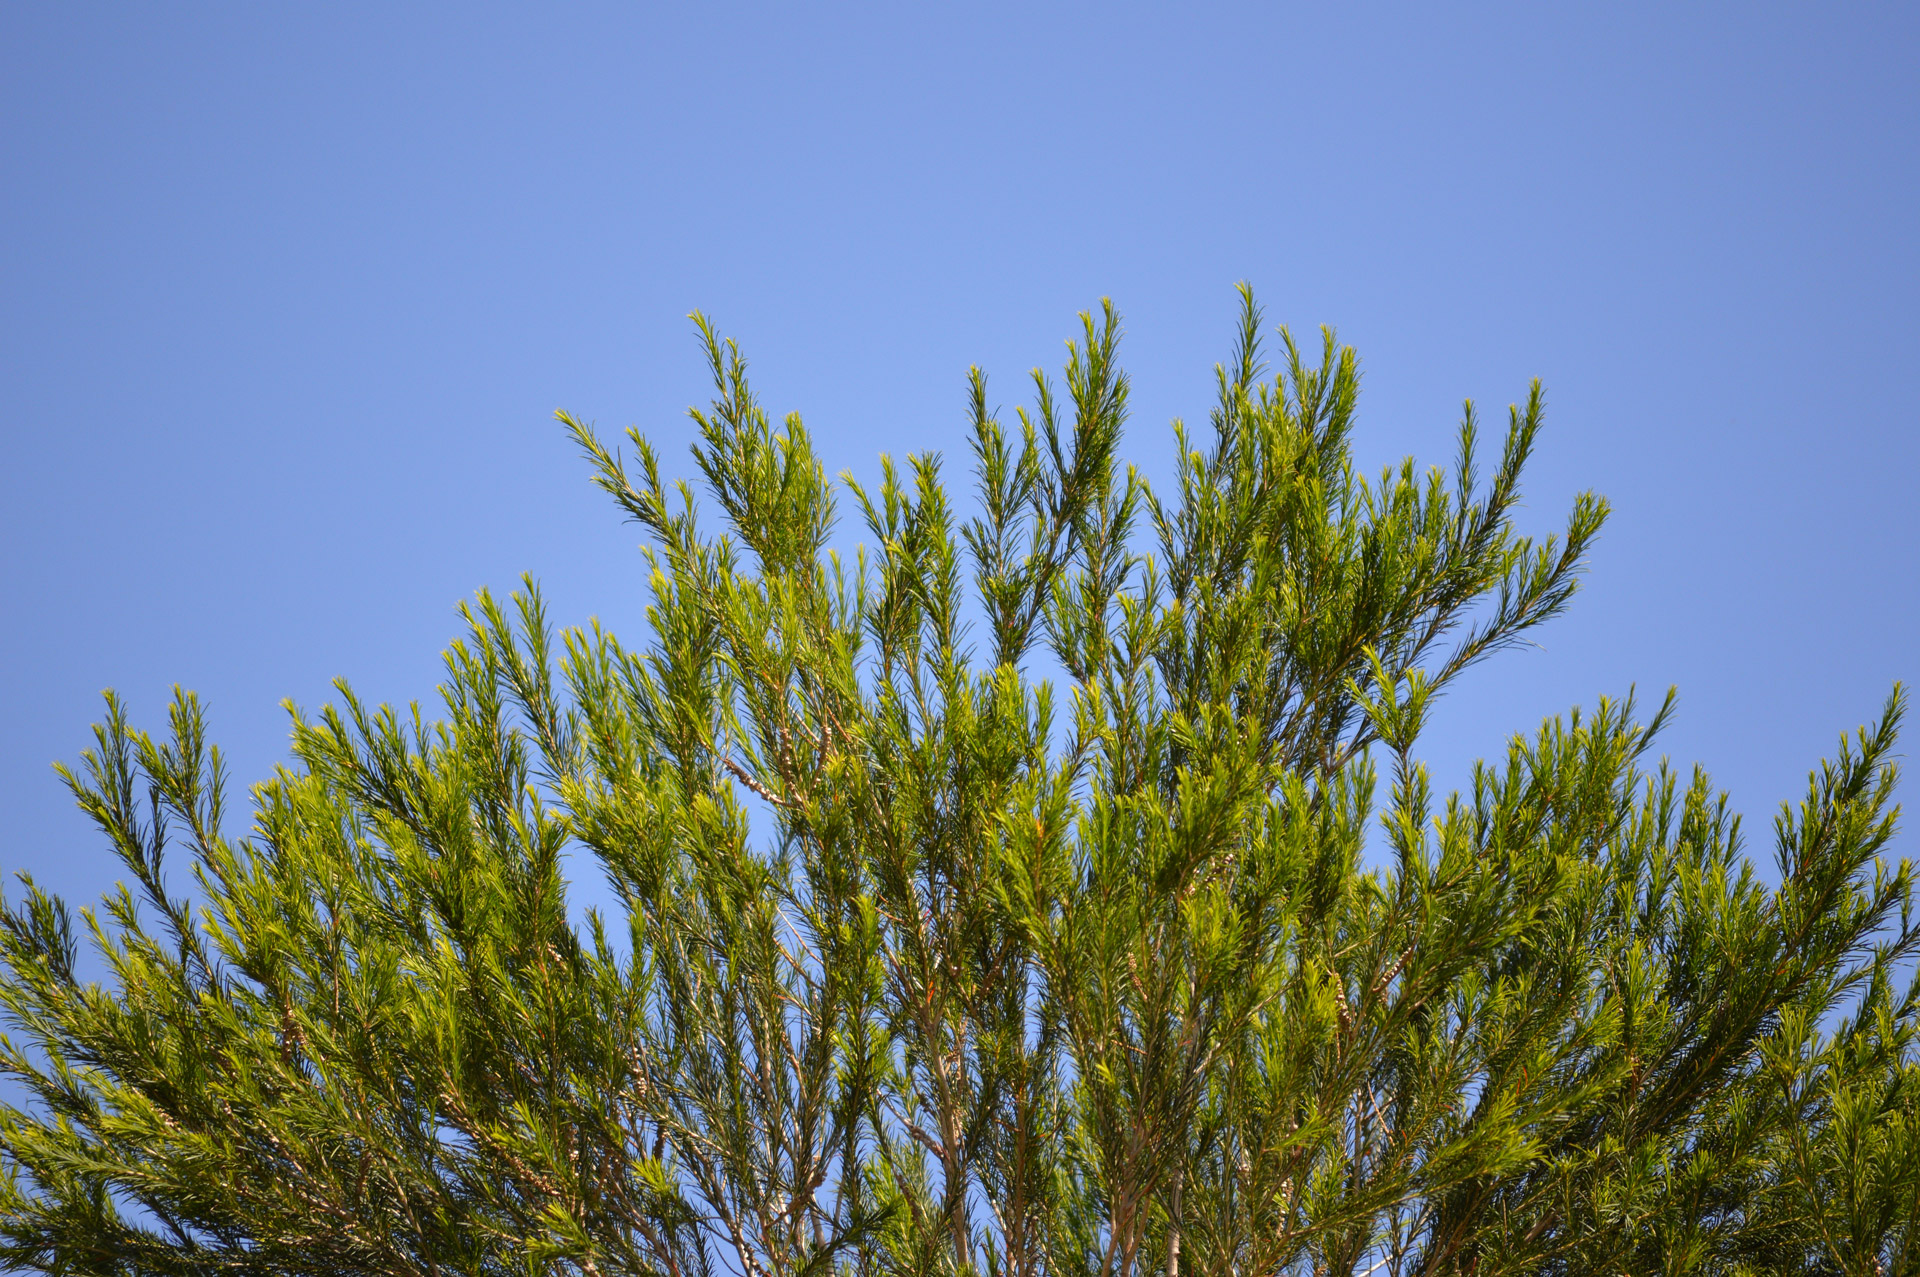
1053, 888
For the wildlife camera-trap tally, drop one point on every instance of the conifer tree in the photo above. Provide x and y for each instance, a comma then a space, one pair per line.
1052, 888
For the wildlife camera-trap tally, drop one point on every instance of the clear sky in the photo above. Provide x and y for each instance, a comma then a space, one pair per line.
288, 296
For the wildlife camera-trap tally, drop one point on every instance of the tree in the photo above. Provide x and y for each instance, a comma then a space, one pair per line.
1015, 898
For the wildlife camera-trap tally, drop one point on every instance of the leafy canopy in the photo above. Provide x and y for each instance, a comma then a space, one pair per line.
991, 903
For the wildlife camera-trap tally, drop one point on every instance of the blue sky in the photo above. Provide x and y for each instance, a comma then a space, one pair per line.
288, 297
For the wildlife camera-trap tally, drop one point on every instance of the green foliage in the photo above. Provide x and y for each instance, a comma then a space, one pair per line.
998, 902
